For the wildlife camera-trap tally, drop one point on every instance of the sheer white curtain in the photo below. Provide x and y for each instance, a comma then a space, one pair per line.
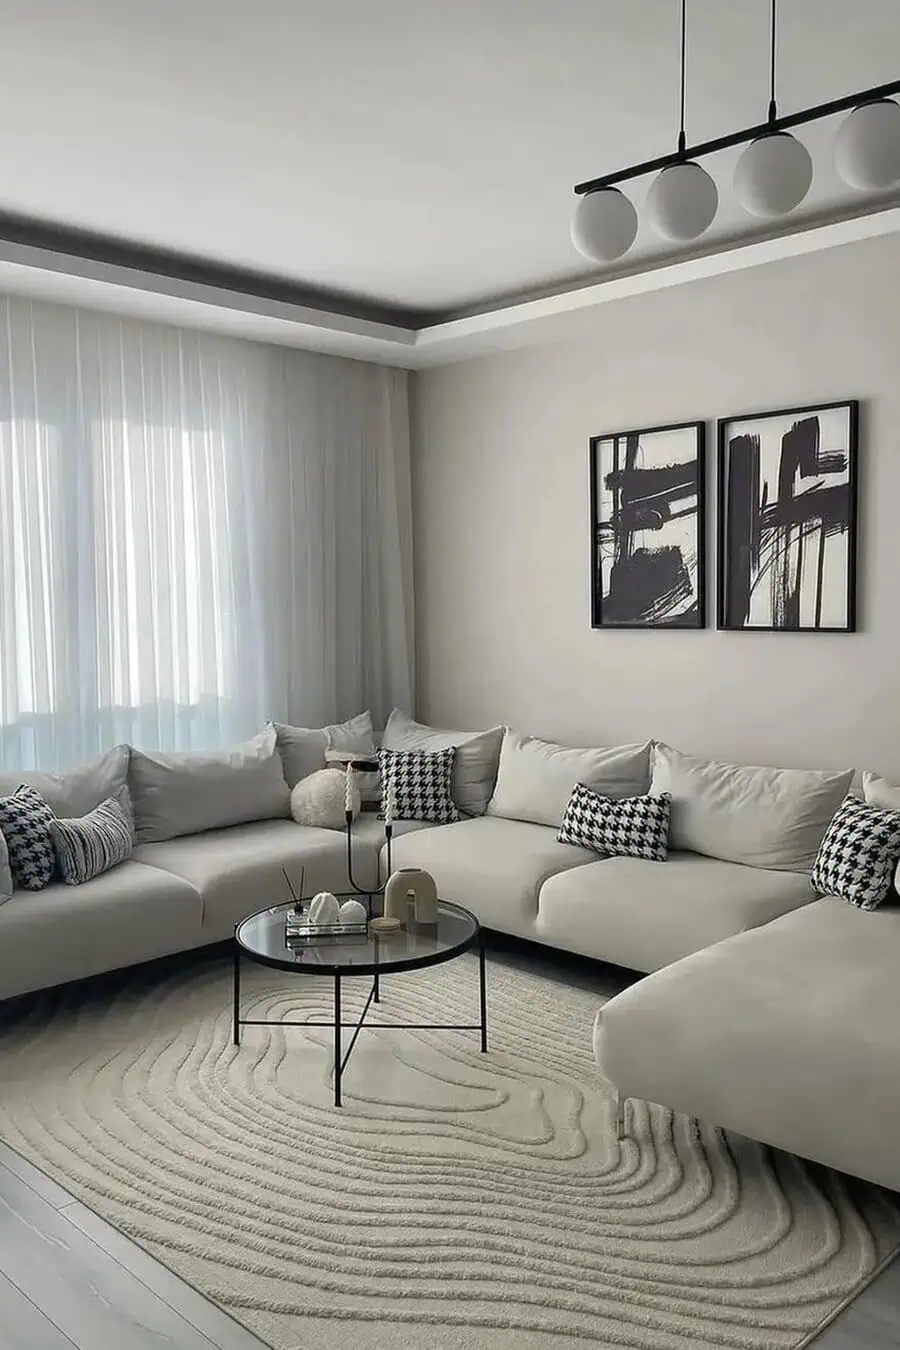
196, 534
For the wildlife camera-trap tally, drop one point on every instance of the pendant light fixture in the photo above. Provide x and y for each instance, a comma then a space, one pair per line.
867, 148
773, 175
683, 199
775, 172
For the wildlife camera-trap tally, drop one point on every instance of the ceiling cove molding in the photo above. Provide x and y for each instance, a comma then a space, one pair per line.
95, 284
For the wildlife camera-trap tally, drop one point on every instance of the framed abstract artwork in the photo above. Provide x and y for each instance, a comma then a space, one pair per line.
648, 528
787, 520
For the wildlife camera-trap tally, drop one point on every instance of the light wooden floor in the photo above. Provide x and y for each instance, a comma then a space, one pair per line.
68, 1279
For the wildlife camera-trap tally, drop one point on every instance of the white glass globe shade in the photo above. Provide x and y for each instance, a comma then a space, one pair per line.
604, 225
773, 175
682, 201
867, 147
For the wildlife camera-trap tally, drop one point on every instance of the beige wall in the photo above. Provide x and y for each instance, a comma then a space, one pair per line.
501, 512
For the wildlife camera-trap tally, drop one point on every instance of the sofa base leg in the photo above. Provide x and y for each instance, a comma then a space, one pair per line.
620, 1116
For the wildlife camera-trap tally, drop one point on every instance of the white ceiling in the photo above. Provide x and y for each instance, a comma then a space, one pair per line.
418, 153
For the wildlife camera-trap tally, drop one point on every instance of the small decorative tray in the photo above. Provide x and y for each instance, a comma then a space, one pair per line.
299, 933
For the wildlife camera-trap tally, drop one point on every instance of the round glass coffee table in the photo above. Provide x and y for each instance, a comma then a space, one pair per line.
261, 938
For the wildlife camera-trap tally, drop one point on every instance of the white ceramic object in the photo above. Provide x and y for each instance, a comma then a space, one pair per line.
411, 896
352, 911
324, 908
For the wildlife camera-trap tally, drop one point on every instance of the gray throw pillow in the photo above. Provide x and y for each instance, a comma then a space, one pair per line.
302, 749
95, 842
177, 794
475, 763
79, 790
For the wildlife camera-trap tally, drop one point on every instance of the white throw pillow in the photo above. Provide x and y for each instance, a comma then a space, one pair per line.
6, 881
176, 794
302, 749
879, 792
321, 800
474, 765
78, 791
535, 778
772, 818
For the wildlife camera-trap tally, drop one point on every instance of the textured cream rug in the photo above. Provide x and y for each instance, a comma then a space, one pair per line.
458, 1200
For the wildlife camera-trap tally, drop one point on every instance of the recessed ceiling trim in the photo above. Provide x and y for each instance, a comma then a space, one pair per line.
64, 278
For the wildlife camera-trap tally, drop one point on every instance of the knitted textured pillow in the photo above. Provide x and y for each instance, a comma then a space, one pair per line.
25, 820
417, 785
858, 856
625, 827
91, 844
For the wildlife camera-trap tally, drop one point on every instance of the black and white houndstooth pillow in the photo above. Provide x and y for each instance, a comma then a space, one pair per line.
859, 854
628, 827
417, 785
25, 820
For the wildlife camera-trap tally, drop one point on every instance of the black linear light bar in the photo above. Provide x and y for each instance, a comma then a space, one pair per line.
768, 128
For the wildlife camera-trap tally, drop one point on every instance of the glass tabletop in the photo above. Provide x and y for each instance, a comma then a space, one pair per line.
261, 936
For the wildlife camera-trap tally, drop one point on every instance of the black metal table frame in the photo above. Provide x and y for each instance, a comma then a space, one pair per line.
337, 1024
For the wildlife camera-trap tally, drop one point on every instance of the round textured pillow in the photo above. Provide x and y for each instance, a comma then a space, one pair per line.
320, 799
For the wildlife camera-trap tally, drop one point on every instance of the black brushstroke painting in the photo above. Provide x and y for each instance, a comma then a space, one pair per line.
787, 520
647, 528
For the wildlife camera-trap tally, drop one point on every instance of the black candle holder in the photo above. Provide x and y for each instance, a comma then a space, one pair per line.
366, 766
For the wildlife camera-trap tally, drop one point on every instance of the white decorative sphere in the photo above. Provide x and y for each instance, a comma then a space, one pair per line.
353, 912
604, 225
320, 799
324, 908
867, 146
773, 175
682, 201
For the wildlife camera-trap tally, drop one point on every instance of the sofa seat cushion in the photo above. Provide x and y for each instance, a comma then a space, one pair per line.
787, 1034
130, 913
645, 915
239, 870
494, 867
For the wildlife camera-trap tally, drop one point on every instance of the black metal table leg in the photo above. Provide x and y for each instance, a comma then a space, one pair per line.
482, 981
237, 994
377, 989
338, 1047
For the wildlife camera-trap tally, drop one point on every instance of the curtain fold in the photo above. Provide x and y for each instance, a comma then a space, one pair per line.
196, 534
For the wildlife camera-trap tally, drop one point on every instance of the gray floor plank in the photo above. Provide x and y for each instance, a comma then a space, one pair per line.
207, 1317
93, 1300
33, 1177
23, 1326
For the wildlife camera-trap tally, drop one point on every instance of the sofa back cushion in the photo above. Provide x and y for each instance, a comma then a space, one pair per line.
176, 794
879, 792
772, 818
474, 765
78, 791
535, 778
302, 749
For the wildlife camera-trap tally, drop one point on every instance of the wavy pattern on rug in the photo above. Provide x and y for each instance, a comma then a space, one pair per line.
457, 1200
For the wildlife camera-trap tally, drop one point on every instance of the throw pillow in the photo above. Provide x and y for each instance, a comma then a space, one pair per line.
536, 778
6, 881
771, 818
626, 827
418, 785
25, 820
302, 749
879, 792
858, 855
320, 800
93, 843
475, 766
177, 794
79, 790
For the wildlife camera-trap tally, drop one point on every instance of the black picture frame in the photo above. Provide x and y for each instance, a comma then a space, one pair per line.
762, 534
668, 588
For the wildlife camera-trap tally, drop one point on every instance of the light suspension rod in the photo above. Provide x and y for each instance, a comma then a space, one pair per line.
799, 119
